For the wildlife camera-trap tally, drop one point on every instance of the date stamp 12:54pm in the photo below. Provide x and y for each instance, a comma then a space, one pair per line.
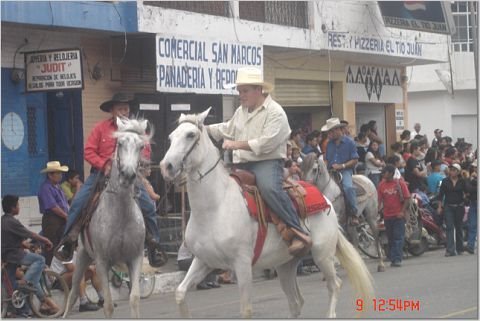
388, 305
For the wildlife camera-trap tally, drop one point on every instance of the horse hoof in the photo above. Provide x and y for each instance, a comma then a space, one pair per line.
381, 268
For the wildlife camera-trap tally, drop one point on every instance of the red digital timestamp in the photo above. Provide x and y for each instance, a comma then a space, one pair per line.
390, 305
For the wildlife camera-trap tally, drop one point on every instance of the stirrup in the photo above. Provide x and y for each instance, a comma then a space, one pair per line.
156, 256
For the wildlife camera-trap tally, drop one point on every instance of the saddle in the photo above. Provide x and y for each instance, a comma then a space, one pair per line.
306, 198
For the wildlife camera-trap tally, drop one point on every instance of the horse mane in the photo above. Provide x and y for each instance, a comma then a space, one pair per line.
136, 125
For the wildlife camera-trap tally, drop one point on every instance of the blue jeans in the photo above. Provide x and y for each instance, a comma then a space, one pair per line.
472, 225
454, 221
144, 201
35, 263
395, 229
350, 194
375, 178
269, 175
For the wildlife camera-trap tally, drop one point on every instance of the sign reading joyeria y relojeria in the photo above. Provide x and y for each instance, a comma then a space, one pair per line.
53, 70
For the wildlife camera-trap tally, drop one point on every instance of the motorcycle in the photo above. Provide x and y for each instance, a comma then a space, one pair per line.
436, 233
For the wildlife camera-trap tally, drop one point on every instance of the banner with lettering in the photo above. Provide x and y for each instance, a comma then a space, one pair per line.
373, 84
196, 65
53, 70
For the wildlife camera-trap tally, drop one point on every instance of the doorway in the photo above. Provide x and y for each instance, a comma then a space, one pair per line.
367, 112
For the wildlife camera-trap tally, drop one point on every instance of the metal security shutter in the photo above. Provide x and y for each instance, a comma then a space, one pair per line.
292, 92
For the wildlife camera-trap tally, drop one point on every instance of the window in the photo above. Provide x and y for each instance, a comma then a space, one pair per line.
462, 39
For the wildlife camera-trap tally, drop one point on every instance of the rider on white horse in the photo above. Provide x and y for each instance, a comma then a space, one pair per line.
342, 156
99, 149
257, 134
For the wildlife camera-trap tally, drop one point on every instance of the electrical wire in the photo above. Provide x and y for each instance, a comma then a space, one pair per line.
233, 21
124, 34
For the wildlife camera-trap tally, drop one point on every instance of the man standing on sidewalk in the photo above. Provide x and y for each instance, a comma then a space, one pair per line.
394, 195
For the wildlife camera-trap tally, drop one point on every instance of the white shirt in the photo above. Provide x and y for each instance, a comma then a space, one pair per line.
266, 130
58, 266
371, 168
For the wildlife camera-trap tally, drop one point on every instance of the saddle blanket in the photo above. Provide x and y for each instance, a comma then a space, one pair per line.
314, 200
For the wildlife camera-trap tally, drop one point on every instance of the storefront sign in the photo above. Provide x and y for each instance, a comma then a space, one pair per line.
399, 121
201, 65
180, 107
394, 47
149, 107
53, 70
428, 16
373, 84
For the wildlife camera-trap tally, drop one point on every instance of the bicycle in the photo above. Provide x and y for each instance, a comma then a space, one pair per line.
147, 281
52, 285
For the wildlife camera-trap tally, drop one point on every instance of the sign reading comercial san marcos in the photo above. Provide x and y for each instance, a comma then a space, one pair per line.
190, 64
53, 70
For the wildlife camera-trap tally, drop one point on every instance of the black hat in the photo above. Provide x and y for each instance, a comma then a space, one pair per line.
436, 162
438, 131
117, 98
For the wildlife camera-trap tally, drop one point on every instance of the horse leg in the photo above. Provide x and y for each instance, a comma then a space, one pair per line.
334, 283
243, 271
102, 272
196, 273
134, 268
287, 274
82, 262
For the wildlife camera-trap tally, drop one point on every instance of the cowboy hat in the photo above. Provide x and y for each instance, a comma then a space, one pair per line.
250, 76
117, 98
54, 166
332, 123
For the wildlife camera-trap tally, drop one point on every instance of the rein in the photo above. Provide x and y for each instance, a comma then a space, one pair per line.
328, 182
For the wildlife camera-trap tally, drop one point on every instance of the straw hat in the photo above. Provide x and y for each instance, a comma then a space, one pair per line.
250, 76
117, 98
456, 166
54, 166
332, 123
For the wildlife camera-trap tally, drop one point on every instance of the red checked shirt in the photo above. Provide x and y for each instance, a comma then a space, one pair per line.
389, 194
101, 144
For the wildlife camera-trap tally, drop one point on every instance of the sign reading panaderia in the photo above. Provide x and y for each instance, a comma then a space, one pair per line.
373, 84
200, 65
53, 70
428, 16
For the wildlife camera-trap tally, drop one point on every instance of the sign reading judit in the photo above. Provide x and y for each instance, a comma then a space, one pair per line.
201, 65
53, 70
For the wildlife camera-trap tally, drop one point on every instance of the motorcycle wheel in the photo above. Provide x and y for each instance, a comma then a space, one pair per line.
418, 249
366, 241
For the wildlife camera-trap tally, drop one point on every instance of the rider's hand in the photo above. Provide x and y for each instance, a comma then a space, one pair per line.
229, 144
337, 166
107, 168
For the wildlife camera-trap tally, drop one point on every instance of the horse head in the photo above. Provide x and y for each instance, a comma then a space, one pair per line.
314, 169
187, 146
131, 139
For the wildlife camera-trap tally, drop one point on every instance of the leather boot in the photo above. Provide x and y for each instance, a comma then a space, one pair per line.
64, 251
301, 243
156, 256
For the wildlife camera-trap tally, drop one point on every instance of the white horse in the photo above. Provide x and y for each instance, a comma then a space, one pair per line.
116, 232
314, 169
221, 233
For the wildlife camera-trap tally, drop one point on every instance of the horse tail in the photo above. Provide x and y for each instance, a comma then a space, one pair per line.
357, 271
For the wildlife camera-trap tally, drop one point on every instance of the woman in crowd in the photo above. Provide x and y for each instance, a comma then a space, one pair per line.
374, 163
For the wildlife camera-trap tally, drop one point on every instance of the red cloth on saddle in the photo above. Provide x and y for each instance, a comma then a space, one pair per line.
314, 201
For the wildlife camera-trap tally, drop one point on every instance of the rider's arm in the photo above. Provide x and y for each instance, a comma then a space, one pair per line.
44, 240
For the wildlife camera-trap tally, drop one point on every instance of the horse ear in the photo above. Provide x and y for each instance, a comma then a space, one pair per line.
201, 117
120, 123
144, 124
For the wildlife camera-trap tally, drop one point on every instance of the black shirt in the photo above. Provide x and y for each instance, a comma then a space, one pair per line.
413, 180
13, 233
472, 189
453, 194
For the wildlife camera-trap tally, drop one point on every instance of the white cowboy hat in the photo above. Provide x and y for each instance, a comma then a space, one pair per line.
332, 123
456, 166
54, 166
250, 76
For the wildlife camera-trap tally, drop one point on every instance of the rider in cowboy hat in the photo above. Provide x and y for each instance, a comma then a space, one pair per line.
342, 156
257, 134
99, 149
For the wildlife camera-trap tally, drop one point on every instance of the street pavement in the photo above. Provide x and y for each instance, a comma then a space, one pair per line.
437, 286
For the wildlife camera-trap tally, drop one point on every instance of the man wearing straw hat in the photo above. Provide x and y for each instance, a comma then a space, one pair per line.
257, 134
342, 156
99, 149
53, 205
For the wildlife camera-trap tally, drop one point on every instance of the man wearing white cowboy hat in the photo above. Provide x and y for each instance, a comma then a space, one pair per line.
53, 205
257, 134
342, 156
98, 151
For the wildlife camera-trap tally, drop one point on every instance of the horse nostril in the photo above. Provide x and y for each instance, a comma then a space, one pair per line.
169, 167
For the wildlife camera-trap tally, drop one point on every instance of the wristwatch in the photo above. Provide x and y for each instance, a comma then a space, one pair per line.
343, 165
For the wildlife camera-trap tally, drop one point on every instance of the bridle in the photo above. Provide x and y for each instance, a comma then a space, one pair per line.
190, 150
317, 175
